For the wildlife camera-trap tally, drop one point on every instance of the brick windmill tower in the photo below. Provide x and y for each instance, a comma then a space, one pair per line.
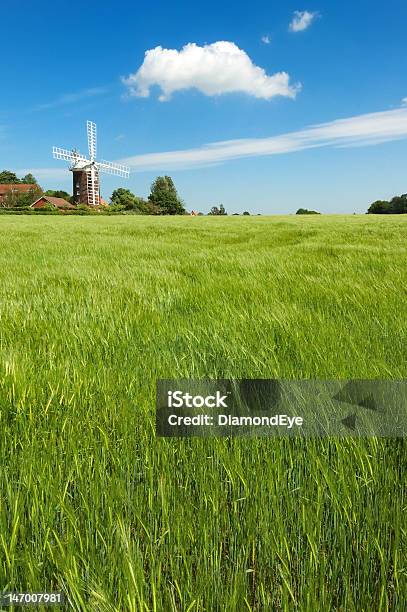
85, 172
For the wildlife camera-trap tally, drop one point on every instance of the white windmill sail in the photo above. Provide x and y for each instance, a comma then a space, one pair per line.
72, 156
91, 128
92, 173
112, 168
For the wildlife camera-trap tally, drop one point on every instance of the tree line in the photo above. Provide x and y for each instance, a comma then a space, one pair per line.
396, 206
10, 178
162, 200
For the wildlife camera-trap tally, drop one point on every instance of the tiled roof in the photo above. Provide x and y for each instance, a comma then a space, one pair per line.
57, 202
22, 187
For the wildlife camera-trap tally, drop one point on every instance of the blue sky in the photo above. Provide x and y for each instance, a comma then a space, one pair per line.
255, 76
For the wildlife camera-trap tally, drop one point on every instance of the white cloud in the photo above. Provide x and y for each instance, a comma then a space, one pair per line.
266, 39
71, 98
361, 130
404, 101
213, 69
301, 21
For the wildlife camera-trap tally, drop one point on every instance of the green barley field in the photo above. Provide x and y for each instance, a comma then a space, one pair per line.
94, 309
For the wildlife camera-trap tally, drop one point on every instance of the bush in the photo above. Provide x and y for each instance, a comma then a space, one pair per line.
124, 199
305, 211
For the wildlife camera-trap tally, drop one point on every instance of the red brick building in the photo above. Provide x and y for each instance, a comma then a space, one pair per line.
58, 203
18, 189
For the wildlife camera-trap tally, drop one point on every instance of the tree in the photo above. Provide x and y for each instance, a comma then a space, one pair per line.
399, 204
29, 179
379, 207
215, 210
164, 196
6, 176
246, 213
305, 211
124, 199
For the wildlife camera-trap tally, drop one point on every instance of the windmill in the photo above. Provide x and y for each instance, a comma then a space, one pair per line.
86, 183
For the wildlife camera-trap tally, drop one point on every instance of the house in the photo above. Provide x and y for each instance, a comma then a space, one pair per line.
15, 188
59, 203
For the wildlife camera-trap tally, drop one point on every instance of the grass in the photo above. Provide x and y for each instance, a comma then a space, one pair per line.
94, 310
